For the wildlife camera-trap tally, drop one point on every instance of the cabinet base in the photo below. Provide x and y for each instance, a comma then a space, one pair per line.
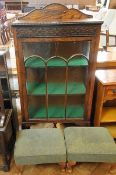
27, 124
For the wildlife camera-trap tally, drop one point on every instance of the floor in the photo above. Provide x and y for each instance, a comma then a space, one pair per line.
54, 169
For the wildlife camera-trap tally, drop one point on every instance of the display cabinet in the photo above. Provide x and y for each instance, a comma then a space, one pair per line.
56, 50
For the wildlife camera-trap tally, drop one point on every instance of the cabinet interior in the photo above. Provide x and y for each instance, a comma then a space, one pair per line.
56, 79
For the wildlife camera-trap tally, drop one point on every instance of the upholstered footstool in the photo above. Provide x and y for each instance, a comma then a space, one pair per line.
40, 146
89, 144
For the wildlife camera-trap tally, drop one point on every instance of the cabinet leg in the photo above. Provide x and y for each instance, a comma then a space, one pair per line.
70, 166
25, 126
63, 166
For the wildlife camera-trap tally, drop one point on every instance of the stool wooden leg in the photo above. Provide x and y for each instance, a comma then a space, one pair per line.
70, 165
63, 166
20, 169
113, 169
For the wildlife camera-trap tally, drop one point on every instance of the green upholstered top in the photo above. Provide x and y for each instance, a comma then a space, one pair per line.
38, 146
89, 144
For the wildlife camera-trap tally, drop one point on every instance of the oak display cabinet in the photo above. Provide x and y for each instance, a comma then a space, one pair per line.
56, 50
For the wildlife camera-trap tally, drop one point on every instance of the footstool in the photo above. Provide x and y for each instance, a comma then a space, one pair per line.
89, 144
40, 146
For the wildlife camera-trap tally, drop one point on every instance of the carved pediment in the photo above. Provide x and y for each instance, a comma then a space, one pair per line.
54, 12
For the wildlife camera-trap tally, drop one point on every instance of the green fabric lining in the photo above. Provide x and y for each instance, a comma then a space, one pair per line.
37, 112
78, 61
56, 112
34, 62
56, 62
36, 88
55, 88
37, 62
73, 111
76, 88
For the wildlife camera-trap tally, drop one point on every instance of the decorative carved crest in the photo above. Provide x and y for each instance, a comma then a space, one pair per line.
54, 12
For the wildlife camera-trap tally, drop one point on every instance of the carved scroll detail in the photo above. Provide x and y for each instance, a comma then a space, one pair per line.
55, 31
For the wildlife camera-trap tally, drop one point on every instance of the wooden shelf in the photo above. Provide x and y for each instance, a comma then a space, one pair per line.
37, 113
75, 111
55, 88
36, 88
108, 114
53, 112
56, 112
76, 88
72, 111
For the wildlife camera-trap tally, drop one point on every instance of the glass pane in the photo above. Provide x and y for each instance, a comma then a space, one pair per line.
56, 107
35, 83
62, 49
75, 107
37, 107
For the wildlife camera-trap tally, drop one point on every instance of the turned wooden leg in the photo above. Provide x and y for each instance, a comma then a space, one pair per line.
20, 169
70, 165
63, 166
113, 169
